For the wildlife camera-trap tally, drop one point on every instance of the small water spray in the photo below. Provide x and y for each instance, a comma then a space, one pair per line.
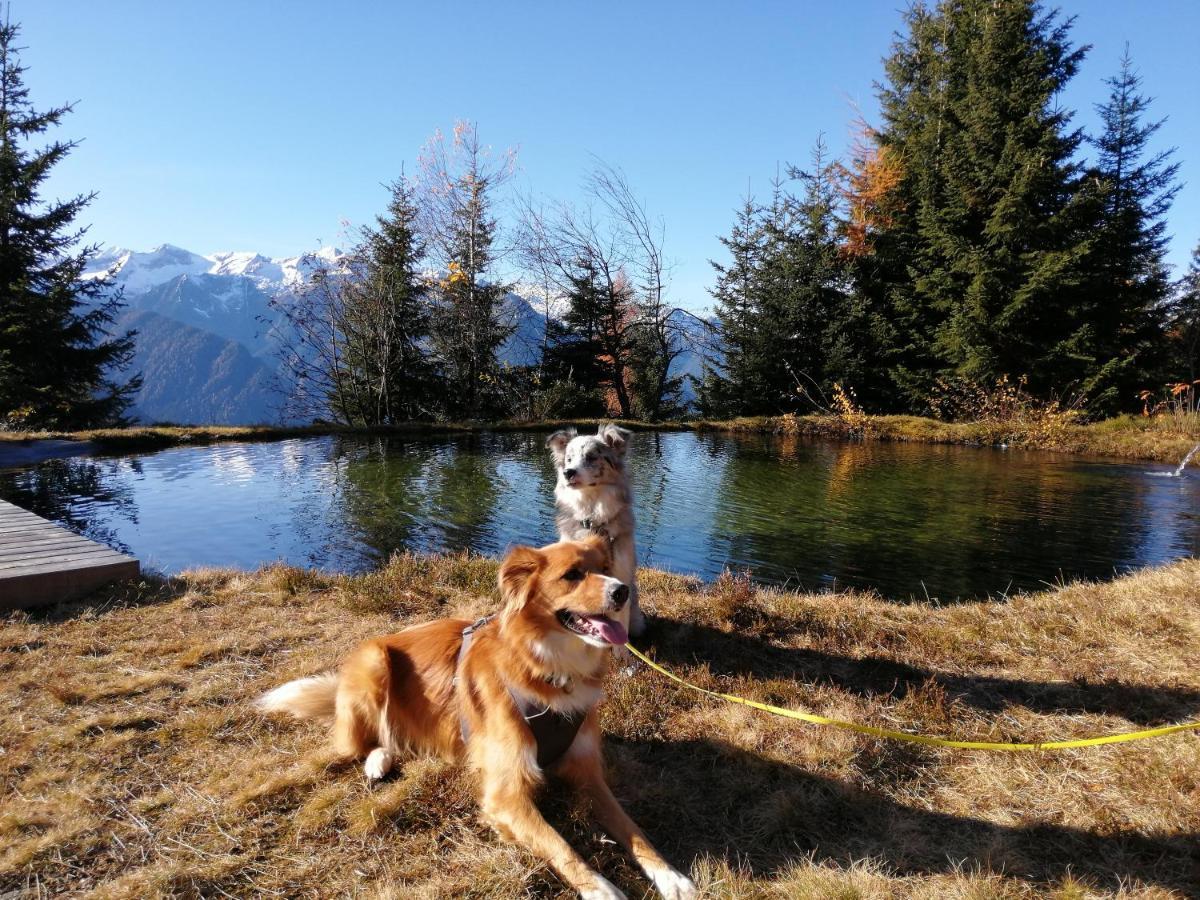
1183, 465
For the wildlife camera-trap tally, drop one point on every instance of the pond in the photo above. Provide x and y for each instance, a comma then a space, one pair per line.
907, 520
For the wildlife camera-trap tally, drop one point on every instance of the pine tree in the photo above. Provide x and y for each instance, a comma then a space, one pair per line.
1183, 325
458, 193
354, 348
388, 315
989, 249
58, 362
588, 345
1129, 285
811, 306
732, 386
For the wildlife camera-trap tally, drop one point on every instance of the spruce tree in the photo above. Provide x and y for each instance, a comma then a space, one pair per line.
388, 309
1125, 348
733, 386
989, 252
1183, 325
580, 350
811, 309
59, 365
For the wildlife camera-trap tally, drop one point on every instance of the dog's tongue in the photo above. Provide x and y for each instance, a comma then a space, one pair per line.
613, 632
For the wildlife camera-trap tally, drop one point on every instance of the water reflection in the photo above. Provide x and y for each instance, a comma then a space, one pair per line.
905, 520
87, 496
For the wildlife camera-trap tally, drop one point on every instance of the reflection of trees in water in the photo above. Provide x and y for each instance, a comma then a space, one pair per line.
82, 494
397, 494
957, 522
464, 494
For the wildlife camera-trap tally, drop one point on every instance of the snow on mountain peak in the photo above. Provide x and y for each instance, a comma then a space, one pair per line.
138, 271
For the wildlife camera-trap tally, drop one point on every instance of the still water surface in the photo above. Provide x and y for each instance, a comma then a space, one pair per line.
906, 520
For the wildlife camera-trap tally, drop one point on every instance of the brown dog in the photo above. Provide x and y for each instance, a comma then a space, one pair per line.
514, 696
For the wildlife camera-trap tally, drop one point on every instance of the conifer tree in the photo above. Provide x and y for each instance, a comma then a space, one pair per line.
59, 365
589, 345
458, 192
388, 315
1129, 283
733, 386
787, 321
1183, 325
990, 247
355, 345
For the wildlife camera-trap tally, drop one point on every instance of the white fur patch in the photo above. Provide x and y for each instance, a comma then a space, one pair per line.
603, 890
673, 885
304, 698
378, 764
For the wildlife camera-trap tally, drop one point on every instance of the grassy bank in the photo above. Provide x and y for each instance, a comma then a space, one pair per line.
131, 763
1162, 438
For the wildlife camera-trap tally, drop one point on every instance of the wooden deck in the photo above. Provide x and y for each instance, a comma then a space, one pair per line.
42, 563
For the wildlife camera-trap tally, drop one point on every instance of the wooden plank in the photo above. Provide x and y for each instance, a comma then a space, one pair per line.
49, 566
50, 553
36, 538
46, 548
31, 534
82, 554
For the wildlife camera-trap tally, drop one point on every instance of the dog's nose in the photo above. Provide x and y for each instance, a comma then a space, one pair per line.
618, 594
569, 473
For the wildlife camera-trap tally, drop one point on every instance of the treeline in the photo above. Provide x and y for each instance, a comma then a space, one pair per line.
410, 324
966, 241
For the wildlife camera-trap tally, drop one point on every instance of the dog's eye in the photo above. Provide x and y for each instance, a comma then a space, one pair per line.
573, 575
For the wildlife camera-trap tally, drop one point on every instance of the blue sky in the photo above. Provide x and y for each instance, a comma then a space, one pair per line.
266, 126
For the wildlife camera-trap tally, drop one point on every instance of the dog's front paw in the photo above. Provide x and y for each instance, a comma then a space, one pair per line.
673, 885
603, 889
378, 764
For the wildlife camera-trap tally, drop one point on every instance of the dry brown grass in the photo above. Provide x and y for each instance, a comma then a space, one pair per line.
1162, 438
131, 763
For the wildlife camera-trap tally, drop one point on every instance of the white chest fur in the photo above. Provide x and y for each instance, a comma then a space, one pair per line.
604, 506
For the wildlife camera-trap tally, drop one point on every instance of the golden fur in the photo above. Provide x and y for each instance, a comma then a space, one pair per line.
408, 692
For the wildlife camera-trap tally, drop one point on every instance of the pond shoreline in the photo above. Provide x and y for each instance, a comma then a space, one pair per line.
1125, 437
159, 677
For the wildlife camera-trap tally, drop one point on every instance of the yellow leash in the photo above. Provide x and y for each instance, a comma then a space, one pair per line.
918, 738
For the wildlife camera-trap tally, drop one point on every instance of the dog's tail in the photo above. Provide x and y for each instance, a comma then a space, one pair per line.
305, 698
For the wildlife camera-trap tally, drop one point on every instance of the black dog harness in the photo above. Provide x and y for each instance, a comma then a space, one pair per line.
553, 731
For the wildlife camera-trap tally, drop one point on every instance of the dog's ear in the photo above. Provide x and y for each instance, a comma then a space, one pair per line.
557, 443
517, 571
616, 437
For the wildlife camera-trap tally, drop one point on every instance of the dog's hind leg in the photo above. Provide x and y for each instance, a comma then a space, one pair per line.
362, 723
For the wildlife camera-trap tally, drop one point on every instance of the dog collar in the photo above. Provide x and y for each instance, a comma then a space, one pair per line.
595, 527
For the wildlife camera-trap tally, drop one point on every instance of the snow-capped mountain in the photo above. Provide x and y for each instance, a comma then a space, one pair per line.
137, 271
208, 334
